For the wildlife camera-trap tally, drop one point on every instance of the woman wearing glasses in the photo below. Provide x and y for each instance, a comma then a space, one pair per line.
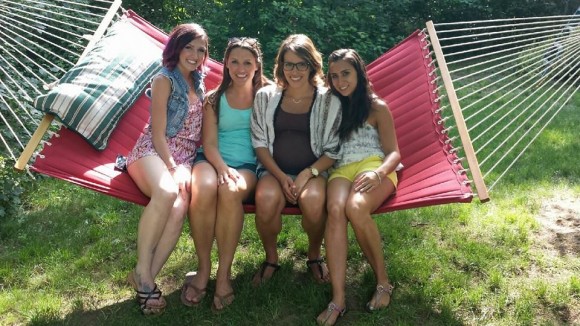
224, 172
294, 132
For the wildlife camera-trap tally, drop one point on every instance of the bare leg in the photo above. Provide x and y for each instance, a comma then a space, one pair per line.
358, 210
152, 178
202, 217
336, 244
312, 203
171, 233
229, 223
270, 201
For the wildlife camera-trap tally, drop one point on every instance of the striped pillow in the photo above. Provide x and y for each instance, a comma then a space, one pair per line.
92, 97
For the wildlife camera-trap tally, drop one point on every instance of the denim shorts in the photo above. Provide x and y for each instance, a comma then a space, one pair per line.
200, 157
262, 172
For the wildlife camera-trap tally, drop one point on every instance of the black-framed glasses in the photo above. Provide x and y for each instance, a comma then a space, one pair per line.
300, 66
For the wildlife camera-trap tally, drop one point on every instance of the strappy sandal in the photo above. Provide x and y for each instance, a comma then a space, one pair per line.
319, 261
199, 293
263, 267
378, 294
144, 297
224, 301
330, 310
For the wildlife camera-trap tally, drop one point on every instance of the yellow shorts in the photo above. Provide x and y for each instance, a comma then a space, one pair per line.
350, 171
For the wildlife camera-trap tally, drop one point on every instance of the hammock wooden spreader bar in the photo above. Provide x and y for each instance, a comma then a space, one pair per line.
404, 76
47, 119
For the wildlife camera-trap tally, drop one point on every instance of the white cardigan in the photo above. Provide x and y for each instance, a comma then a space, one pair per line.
324, 121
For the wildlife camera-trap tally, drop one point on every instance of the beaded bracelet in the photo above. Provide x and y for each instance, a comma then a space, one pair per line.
172, 168
378, 175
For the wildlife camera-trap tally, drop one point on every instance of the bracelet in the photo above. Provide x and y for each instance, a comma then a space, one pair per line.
378, 175
172, 168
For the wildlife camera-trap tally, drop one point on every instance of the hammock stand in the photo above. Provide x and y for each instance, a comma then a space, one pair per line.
404, 77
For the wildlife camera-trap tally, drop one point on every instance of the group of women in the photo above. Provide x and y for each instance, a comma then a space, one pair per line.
324, 143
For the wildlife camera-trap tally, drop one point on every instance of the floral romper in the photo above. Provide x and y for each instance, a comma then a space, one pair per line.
183, 146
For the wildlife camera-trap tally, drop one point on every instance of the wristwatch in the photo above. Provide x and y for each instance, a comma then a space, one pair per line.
314, 171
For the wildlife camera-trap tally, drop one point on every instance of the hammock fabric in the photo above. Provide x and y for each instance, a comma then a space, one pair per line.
403, 77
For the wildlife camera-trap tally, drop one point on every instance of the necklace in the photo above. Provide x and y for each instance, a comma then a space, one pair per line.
297, 100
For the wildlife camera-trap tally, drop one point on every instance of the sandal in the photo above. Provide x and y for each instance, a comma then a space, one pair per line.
258, 281
320, 262
329, 312
199, 294
378, 294
144, 297
224, 301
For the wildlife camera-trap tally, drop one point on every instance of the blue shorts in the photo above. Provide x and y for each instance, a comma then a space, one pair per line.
262, 172
200, 157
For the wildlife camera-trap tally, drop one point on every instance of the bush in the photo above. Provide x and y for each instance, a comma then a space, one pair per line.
11, 187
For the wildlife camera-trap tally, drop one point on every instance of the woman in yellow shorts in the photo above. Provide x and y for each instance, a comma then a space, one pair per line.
364, 176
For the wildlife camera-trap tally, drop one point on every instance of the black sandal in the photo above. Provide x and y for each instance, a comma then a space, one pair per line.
143, 297
319, 262
263, 267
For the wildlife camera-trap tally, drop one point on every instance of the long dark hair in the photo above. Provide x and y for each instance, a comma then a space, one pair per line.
259, 80
355, 109
303, 46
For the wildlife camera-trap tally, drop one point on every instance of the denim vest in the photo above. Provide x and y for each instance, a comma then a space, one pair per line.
178, 103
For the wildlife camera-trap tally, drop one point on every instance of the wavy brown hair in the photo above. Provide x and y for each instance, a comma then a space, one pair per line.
259, 80
301, 45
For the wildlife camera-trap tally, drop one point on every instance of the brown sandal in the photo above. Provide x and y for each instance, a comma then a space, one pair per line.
321, 265
378, 294
224, 301
262, 271
199, 293
330, 310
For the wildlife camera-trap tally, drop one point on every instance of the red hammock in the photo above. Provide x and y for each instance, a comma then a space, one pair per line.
402, 76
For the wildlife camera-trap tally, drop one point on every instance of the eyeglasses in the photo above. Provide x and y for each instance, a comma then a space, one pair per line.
241, 40
301, 66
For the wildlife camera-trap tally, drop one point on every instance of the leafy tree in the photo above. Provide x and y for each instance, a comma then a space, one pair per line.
370, 27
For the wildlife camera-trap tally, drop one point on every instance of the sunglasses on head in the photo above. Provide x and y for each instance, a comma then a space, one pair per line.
243, 40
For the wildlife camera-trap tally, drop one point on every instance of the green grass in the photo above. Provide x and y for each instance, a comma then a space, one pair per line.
65, 256
64, 259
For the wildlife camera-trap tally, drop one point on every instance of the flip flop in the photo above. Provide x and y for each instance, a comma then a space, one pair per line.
199, 293
262, 270
224, 301
320, 262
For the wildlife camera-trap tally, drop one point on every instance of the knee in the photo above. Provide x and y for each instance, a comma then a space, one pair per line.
204, 190
165, 196
357, 212
269, 202
177, 217
335, 210
313, 201
229, 195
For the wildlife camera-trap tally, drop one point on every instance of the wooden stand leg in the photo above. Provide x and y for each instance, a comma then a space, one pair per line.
33, 142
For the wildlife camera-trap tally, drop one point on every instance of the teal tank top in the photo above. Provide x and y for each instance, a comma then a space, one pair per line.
234, 139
